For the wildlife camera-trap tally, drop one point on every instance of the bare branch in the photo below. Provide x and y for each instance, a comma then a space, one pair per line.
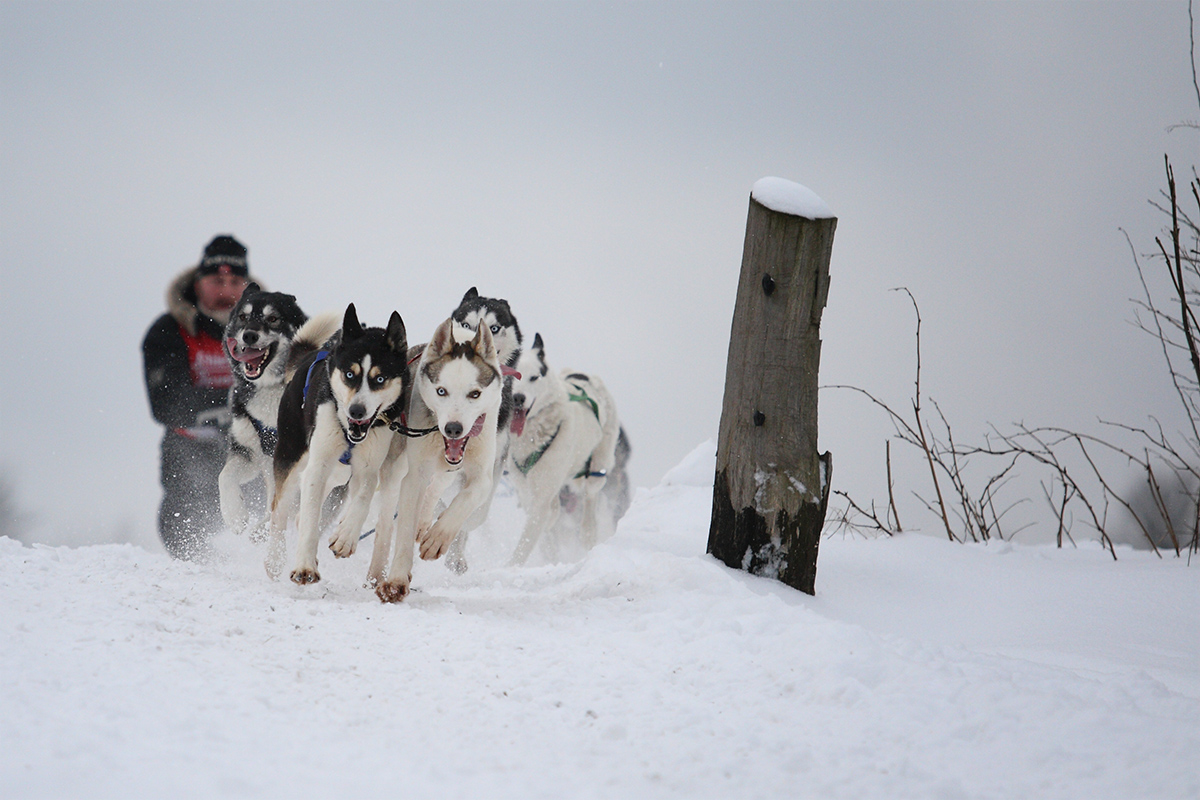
1192, 39
1158, 317
895, 515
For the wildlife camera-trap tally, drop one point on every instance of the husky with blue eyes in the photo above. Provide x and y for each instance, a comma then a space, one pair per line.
474, 312
341, 409
452, 417
497, 317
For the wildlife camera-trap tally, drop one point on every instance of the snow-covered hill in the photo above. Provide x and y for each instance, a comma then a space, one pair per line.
921, 669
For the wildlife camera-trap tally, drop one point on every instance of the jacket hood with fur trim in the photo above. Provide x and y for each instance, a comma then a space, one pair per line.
181, 299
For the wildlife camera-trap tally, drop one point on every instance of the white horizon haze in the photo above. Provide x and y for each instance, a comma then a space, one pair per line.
592, 164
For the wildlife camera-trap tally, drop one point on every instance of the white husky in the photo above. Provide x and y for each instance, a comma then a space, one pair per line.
494, 314
456, 397
564, 435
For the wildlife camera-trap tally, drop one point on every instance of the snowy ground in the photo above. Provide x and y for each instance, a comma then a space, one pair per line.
921, 669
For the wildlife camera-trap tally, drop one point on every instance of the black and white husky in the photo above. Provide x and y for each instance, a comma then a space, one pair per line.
496, 315
338, 409
258, 341
456, 397
565, 434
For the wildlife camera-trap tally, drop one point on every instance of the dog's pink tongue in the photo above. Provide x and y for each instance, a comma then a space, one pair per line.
242, 355
455, 448
517, 426
477, 428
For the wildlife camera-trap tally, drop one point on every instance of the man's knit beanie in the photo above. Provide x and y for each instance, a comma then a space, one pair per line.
224, 251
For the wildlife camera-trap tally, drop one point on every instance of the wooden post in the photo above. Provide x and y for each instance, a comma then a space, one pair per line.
771, 487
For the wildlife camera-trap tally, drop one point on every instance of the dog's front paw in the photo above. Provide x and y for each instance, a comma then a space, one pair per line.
236, 518
456, 562
393, 591
274, 560
305, 576
344, 543
262, 531
435, 542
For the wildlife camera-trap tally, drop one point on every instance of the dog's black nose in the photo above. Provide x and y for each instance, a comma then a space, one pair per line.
454, 430
250, 337
519, 400
357, 411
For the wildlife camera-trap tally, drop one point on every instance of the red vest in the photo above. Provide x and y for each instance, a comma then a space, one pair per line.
206, 356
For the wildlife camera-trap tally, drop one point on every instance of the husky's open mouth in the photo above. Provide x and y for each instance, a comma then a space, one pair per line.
357, 429
253, 361
456, 448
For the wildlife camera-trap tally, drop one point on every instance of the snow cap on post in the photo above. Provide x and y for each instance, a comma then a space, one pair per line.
786, 197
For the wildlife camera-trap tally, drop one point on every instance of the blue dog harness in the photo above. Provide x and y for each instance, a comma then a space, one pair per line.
321, 356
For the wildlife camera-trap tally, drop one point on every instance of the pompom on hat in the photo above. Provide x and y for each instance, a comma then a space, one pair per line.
224, 252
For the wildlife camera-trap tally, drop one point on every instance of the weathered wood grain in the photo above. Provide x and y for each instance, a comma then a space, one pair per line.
771, 486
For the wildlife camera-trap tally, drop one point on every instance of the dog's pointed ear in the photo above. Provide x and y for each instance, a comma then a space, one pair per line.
441, 341
537, 343
250, 289
472, 294
397, 337
351, 329
483, 343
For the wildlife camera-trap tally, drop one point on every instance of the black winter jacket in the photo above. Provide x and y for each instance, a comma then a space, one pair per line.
186, 370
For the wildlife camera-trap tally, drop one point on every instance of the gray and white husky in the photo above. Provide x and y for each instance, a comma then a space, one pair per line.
456, 397
565, 434
496, 315
338, 409
258, 341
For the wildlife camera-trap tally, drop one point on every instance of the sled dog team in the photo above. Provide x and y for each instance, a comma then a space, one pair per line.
326, 407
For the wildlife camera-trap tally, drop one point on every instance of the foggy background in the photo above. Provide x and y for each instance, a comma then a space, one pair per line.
592, 164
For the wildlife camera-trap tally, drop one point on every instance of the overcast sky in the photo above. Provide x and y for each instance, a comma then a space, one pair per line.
592, 164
